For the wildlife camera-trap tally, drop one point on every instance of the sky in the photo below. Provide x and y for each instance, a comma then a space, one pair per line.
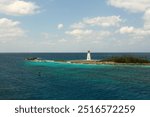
74, 25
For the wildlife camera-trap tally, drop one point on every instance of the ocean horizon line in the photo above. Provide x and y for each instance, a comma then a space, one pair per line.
66, 52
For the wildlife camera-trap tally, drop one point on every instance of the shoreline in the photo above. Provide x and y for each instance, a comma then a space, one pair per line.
90, 62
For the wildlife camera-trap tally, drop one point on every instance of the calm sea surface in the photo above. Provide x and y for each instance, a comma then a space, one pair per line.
26, 80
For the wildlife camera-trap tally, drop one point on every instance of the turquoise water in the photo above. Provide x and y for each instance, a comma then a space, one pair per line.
30, 80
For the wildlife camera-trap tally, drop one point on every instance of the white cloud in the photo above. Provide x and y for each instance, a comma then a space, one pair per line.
107, 21
135, 6
135, 32
88, 35
10, 30
126, 29
131, 5
103, 21
147, 19
87, 30
79, 25
60, 26
142, 32
62, 40
79, 32
17, 7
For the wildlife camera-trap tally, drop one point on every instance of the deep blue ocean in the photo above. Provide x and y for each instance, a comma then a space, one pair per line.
22, 80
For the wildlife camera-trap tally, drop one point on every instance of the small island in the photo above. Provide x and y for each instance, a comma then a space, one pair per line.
114, 60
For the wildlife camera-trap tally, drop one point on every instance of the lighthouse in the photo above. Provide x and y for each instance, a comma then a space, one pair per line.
88, 56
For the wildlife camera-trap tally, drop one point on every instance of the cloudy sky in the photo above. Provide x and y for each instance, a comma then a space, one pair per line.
74, 25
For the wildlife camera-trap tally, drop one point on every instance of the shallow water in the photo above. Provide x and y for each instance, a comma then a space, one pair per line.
27, 80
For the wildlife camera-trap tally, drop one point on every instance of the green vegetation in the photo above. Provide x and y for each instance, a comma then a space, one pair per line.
127, 59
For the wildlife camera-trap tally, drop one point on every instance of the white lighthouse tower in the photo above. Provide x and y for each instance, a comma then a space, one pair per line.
88, 56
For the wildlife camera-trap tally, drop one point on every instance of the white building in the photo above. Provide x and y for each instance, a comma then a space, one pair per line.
88, 56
